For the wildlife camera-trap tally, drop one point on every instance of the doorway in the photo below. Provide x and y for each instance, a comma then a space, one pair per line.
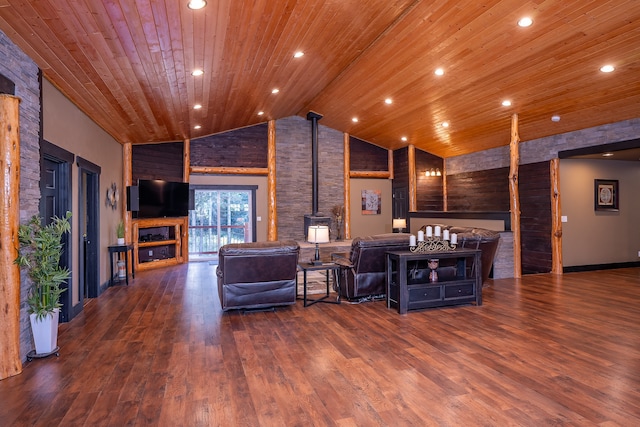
55, 200
220, 215
88, 226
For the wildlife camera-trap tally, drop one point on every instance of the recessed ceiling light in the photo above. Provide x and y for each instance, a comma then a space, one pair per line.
260, 113
555, 118
388, 101
275, 91
439, 72
607, 155
445, 124
354, 120
197, 127
404, 138
607, 68
197, 107
196, 4
506, 103
525, 22
197, 72
298, 54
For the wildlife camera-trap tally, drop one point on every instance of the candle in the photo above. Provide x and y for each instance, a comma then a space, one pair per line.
429, 231
420, 236
454, 239
437, 231
445, 234
412, 240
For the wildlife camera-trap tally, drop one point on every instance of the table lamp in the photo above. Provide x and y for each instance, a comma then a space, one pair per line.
400, 224
318, 234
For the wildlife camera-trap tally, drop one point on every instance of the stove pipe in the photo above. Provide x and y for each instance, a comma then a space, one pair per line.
314, 117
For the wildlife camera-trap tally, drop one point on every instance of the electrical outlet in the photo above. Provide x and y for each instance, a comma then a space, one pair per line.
150, 253
639, 253
563, 218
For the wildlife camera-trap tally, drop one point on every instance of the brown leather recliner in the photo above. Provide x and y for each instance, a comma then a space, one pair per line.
257, 275
362, 271
475, 238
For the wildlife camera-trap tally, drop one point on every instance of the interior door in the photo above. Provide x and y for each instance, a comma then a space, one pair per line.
88, 224
55, 199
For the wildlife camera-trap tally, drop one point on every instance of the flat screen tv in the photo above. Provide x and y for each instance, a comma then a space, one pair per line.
160, 199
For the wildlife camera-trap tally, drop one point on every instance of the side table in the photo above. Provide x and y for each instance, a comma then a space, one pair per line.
117, 250
326, 267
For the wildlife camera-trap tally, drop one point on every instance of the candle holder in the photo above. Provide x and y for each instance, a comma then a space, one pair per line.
433, 244
433, 265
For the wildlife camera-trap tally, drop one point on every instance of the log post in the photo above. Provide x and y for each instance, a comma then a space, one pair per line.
10, 361
272, 225
186, 168
127, 180
514, 196
445, 193
413, 201
347, 186
556, 219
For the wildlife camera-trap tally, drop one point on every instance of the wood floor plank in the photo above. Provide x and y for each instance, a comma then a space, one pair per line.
541, 350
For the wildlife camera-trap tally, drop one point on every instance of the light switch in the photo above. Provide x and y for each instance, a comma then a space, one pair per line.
563, 218
258, 218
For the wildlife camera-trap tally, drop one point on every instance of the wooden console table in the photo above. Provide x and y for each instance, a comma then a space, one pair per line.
409, 287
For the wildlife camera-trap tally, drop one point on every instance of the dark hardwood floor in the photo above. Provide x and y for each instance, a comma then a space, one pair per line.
544, 350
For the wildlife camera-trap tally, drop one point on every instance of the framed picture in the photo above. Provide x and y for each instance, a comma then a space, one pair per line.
606, 195
371, 203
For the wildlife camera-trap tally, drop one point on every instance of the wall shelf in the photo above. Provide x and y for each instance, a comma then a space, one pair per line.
160, 242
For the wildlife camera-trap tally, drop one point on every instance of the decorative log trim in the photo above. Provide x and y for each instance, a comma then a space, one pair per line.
229, 171
272, 221
556, 220
10, 362
445, 193
370, 174
514, 197
127, 179
390, 163
347, 187
413, 198
186, 152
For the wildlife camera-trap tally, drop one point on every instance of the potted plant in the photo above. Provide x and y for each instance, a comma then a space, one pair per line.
39, 251
120, 233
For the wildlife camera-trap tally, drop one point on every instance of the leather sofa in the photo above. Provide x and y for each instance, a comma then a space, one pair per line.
257, 275
362, 273
475, 238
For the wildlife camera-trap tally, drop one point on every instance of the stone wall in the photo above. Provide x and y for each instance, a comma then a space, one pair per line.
20, 69
545, 149
293, 173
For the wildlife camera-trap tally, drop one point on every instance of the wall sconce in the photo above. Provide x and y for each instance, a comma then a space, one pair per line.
433, 172
318, 234
400, 224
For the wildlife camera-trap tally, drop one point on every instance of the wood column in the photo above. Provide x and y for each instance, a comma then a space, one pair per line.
445, 193
10, 361
514, 196
272, 226
127, 180
413, 200
347, 186
556, 219
390, 163
186, 168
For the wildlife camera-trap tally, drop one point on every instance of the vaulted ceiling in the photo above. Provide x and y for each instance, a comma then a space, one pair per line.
127, 64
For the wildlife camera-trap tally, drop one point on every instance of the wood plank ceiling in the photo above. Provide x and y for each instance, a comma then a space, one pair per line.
127, 64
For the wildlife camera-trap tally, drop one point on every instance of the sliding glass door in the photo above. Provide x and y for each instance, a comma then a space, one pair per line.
220, 216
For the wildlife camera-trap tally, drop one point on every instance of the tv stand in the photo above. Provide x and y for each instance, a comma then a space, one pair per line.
159, 242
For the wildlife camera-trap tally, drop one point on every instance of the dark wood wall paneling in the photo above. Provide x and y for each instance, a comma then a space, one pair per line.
401, 168
486, 190
157, 161
535, 217
240, 148
367, 157
429, 188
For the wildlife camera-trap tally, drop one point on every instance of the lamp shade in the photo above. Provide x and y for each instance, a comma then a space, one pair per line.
318, 234
400, 223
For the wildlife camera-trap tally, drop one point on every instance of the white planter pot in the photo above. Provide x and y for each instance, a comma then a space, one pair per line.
45, 332
120, 241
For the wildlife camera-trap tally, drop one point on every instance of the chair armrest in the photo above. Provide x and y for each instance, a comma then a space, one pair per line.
343, 262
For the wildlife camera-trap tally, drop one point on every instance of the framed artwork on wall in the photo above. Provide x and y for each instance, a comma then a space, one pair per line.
606, 195
371, 202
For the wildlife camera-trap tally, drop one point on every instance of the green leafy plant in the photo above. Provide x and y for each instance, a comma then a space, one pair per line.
39, 253
120, 230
